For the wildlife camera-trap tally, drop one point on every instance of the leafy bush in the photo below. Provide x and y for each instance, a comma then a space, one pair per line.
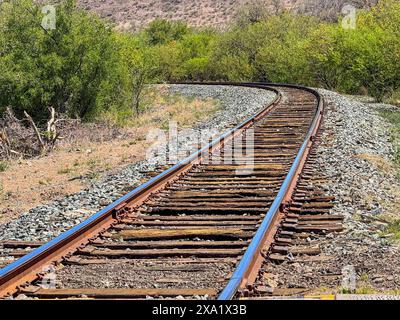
75, 68
161, 31
3, 166
350, 60
232, 56
197, 69
282, 55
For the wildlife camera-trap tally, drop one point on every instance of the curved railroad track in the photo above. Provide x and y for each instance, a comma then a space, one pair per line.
202, 228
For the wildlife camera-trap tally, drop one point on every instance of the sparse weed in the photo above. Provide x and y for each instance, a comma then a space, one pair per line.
66, 170
3, 166
392, 230
92, 163
359, 290
345, 291
4, 195
45, 182
158, 107
93, 175
394, 98
365, 290
7, 195
364, 277
393, 116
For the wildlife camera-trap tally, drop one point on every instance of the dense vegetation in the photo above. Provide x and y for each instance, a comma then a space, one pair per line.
285, 47
85, 69
81, 67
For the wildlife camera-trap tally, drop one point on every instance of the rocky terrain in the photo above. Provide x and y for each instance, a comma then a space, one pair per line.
134, 14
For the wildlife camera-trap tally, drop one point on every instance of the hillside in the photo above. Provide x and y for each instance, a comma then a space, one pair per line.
133, 14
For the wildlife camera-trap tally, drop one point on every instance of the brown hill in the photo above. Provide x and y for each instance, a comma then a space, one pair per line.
133, 14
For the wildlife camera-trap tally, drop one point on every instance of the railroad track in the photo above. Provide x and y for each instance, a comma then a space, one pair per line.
201, 229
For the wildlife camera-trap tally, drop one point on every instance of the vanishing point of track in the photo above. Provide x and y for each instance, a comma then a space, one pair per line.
200, 228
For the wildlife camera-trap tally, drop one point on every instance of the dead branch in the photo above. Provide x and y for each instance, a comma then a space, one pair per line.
5, 143
51, 133
37, 132
51, 123
48, 139
15, 152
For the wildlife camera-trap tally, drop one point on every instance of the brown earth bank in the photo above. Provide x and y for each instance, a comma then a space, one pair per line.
28, 183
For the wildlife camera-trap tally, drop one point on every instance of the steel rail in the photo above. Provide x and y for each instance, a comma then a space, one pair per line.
29, 266
238, 278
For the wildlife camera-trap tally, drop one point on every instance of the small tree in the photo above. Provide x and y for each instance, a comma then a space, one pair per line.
161, 31
256, 11
70, 67
141, 72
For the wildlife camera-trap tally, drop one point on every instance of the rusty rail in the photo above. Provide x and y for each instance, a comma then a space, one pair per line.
251, 261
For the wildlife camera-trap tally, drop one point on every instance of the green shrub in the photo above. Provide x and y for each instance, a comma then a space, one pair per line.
161, 31
74, 67
366, 57
197, 69
3, 166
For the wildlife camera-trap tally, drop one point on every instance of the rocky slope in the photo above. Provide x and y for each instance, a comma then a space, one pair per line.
133, 14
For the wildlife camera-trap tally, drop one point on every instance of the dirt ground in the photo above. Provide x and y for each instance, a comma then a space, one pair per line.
29, 183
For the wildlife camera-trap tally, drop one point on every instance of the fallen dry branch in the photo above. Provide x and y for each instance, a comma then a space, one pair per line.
47, 139
37, 132
23, 138
20, 140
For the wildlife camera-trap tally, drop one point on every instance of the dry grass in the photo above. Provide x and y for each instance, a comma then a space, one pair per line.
392, 230
394, 98
3, 165
379, 162
391, 208
163, 107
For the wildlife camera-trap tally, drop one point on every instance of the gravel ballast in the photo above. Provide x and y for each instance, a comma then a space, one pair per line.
362, 178
45, 222
144, 274
356, 155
